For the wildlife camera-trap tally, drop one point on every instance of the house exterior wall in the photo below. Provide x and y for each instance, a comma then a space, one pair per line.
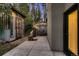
55, 24
9, 34
5, 33
13, 23
19, 26
22, 27
49, 23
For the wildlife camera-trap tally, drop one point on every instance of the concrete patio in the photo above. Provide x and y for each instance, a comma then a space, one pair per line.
40, 47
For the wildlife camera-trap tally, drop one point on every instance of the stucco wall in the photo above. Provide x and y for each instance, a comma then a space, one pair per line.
49, 23
55, 24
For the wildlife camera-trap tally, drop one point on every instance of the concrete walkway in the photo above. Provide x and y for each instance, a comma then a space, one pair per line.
34, 48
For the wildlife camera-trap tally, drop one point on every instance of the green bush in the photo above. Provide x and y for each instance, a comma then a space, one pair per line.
28, 28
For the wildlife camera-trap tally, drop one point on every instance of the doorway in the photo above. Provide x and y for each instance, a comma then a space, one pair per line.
71, 38
18, 27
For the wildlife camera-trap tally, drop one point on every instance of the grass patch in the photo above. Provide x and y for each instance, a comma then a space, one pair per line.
5, 47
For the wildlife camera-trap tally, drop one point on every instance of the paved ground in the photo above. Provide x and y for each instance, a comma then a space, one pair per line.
34, 48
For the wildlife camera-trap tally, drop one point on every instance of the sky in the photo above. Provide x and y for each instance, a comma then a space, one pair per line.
41, 9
